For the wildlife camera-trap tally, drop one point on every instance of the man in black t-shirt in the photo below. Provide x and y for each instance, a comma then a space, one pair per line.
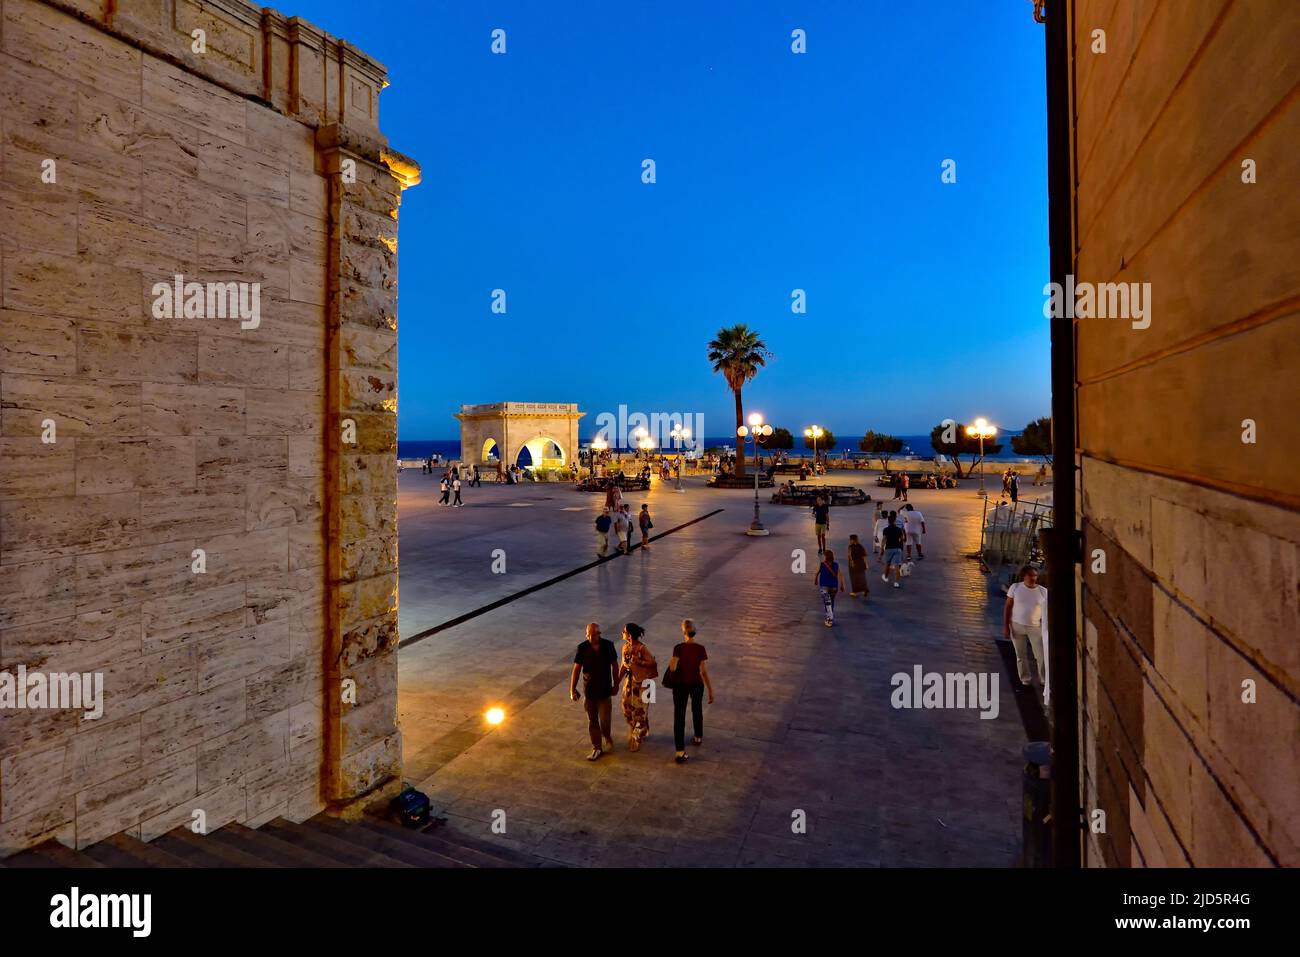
893, 538
821, 522
597, 662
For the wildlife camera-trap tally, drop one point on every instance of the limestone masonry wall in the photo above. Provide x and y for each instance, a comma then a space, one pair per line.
200, 508
1190, 651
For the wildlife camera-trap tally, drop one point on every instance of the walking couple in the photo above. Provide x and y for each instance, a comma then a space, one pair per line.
605, 672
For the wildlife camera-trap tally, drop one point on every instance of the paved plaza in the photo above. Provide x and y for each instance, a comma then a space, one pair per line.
803, 728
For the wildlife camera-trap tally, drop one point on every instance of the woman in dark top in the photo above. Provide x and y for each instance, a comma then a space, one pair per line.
690, 677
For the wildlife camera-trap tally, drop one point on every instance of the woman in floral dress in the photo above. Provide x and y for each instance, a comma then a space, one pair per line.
635, 665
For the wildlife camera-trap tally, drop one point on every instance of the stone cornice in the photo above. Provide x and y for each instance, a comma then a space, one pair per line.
254, 52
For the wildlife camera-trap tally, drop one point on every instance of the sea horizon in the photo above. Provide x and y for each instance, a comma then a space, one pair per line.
919, 444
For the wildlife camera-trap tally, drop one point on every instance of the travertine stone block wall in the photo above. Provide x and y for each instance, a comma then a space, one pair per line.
200, 439
1198, 605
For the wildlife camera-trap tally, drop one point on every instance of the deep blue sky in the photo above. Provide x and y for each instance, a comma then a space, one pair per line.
776, 171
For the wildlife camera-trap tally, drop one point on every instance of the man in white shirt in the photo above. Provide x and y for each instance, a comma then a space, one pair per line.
1022, 620
914, 525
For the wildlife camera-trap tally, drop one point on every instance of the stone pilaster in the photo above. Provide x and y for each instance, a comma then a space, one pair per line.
362, 739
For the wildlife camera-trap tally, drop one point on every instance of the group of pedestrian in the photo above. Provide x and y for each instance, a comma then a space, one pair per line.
617, 517
606, 672
448, 485
902, 482
1011, 485
894, 535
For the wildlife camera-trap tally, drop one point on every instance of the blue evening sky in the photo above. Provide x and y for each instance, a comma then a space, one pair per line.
775, 171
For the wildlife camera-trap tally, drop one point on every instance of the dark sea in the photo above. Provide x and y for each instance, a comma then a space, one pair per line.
919, 444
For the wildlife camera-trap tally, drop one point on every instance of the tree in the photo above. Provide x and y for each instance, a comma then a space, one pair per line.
881, 444
824, 441
1035, 440
779, 439
963, 444
738, 353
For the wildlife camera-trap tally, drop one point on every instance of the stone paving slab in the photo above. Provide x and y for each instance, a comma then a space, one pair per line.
803, 720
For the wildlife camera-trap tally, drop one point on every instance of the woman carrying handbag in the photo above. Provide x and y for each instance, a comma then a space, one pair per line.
688, 677
637, 665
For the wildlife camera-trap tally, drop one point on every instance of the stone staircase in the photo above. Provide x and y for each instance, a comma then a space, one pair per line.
321, 841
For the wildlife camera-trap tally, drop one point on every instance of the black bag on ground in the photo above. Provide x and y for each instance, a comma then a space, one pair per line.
411, 807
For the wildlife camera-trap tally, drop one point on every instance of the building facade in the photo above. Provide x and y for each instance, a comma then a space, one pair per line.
1184, 172
197, 499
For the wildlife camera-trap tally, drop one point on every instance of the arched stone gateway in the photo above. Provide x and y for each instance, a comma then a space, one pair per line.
549, 430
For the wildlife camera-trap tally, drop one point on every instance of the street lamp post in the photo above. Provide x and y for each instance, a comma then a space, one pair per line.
679, 433
814, 432
982, 430
759, 431
597, 446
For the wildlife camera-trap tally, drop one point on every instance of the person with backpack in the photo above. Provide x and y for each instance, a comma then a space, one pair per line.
688, 677
603, 523
830, 581
444, 486
646, 524
894, 539
636, 666
1013, 486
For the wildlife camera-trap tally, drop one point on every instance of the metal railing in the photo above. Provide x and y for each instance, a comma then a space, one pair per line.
1009, 533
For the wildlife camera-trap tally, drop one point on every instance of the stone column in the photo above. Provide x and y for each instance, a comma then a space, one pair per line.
362, 739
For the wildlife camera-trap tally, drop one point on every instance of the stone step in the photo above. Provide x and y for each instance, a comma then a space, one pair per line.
466, 854
385, 842
314, 839
51, 854
202, 851
507, 856
123, 851
322, 841
271, 848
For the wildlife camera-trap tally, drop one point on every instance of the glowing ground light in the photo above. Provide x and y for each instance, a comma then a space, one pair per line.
495, 715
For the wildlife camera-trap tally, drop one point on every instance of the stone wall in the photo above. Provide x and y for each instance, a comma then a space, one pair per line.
198, 508
1199, 529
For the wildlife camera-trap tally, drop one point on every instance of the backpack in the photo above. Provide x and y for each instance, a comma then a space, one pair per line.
602, 523
411, 807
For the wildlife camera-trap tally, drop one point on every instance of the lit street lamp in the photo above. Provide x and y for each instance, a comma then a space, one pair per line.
982, 430
679, 433
759, 431
814, 432
597, 446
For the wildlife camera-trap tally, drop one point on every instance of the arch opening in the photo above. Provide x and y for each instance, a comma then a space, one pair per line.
541, 452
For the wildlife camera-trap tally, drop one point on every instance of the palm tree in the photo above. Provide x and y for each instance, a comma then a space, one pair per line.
738, 353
